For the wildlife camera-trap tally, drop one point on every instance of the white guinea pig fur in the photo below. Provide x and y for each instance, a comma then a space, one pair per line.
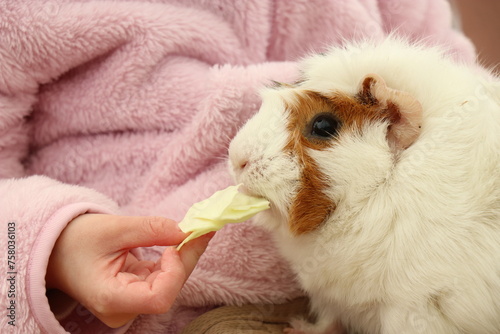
382, 166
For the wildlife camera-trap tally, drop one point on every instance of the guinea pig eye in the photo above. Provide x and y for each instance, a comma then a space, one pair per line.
324, 126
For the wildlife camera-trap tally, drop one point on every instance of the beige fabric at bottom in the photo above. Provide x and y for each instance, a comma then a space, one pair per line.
248, 319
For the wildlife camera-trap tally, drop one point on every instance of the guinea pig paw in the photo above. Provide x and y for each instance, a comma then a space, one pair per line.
299, 326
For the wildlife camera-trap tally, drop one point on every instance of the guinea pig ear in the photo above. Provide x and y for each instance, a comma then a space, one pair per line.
403, 111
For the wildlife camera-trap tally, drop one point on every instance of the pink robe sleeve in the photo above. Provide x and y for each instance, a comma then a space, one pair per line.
34, 211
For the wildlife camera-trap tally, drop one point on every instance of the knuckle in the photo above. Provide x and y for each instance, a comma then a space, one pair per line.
154, 226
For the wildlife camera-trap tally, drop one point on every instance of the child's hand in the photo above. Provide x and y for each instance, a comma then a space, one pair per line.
91, 262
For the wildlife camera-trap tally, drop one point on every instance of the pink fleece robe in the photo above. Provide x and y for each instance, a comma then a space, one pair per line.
128, 107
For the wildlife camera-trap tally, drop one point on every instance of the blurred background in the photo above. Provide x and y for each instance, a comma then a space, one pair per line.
480, 21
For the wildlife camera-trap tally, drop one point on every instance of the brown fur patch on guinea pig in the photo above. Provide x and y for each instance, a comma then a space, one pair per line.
311, 207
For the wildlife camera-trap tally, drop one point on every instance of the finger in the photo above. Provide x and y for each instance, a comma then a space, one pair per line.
142, 269
125, 232
191, 252
150, 296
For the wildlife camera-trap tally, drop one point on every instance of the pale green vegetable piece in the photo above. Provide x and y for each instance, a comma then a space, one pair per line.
224, 207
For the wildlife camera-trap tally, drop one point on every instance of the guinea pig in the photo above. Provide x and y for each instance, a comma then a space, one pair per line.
382, 167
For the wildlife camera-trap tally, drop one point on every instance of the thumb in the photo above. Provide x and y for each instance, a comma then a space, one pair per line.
125, 232
192, 251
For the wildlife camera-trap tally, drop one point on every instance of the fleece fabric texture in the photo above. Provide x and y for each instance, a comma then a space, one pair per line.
128, 107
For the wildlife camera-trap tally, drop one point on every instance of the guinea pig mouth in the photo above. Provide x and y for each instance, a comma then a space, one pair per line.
247, 191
